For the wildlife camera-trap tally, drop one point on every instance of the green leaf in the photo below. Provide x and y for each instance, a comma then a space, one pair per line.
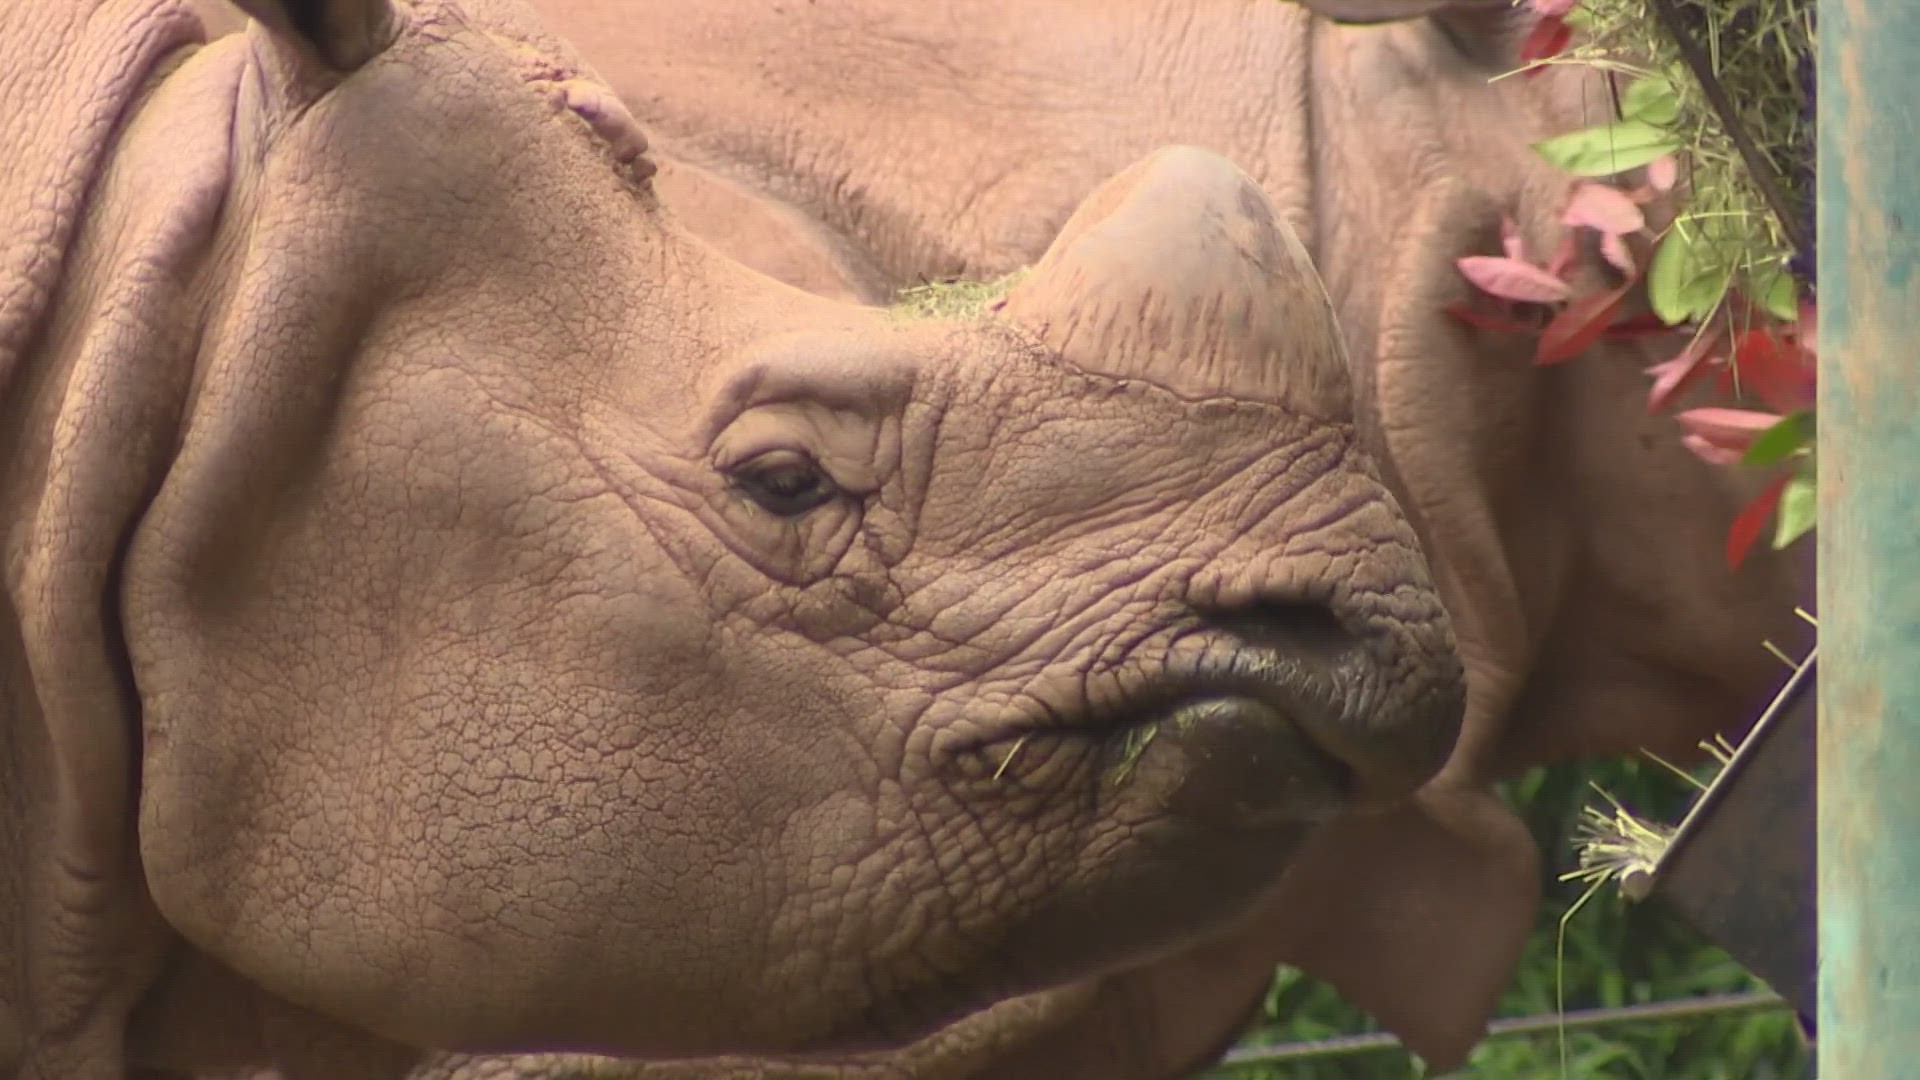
1591, 1062
1608, 148
1779, 296
1679, 286
1798, 507
1651, 99
1777, 442
1613, 988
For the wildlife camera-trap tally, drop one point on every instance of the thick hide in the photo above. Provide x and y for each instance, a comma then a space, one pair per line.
448, 607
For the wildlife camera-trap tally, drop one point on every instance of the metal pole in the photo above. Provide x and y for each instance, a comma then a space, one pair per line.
1869, 539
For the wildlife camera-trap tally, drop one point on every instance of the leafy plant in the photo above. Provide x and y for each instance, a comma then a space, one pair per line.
1715, 118
1720, 272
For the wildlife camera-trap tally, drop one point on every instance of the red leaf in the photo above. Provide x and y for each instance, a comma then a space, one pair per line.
1729, 429
1663, 172
1709, 453
1564, 256
1511, 279
1670, 378
1549, 37
1748, 523
1614, 247
1512, 244
1604, 208
1774, 369
1480, 320
1578, 326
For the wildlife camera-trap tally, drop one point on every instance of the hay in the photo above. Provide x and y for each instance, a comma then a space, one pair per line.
1621, 848
1136, 739
1133, 744
1625, 850
953, 299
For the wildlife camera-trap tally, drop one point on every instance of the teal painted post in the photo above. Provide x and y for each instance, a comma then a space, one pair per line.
1869, 539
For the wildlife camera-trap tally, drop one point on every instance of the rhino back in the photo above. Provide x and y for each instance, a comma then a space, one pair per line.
957, 138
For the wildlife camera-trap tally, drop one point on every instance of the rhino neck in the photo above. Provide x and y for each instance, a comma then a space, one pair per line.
97, 393
120, 132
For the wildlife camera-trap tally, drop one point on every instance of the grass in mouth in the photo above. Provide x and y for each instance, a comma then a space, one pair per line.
1133, 744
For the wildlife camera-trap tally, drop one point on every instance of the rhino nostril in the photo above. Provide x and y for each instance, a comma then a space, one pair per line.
1291, 627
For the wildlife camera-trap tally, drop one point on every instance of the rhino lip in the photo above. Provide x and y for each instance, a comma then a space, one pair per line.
1249, 700
1305, 692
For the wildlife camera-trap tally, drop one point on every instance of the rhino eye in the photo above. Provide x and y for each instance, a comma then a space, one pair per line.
784, 483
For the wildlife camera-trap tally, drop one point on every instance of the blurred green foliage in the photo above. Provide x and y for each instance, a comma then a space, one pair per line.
1617, 953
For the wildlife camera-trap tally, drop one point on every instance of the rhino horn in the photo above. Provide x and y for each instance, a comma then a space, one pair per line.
1178, 272
344, 33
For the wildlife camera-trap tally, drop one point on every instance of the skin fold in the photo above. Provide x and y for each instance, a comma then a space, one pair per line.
450, 607
855, 148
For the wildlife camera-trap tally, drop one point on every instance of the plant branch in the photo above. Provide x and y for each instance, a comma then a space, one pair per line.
1758, 165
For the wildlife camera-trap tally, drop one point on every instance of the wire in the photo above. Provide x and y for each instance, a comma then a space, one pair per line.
1681, 1008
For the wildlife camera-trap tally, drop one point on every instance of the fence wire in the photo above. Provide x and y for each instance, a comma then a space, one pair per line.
1581, 1019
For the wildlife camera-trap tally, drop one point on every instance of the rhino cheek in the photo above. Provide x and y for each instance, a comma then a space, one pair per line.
475, 776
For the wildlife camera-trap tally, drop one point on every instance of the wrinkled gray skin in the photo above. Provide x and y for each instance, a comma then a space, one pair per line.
447, 606
857, 146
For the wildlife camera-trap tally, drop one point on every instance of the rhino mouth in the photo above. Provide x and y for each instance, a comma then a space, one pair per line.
1239, 760
1170, 771
1247, 739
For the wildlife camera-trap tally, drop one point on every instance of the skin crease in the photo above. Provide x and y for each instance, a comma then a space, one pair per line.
1576, 543
408, 645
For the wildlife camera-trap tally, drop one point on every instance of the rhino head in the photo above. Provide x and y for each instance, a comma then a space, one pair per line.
447, 601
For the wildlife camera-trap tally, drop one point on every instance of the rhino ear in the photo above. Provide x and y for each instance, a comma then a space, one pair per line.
1418, 915
344, 34
1178, 272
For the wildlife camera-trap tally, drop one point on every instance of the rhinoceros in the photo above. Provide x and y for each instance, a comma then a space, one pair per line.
856, 147
448, 606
